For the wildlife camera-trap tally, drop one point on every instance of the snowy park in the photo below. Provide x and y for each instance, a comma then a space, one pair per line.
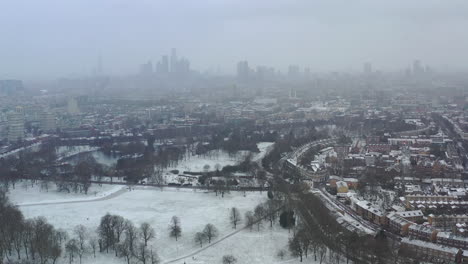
194, 208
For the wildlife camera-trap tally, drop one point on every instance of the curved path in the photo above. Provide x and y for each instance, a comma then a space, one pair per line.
107, 197
206, 247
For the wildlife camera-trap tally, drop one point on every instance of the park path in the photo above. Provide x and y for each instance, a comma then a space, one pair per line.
206, 247
107, 197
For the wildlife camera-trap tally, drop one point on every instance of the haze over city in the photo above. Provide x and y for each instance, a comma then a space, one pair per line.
233, 132
51, 39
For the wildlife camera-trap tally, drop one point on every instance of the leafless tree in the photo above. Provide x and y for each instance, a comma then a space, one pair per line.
154, 257
131, 235
123, 251
146, 232
210, 232
259, 215
142, 253
281, 254
200, 238
72, 248
249, 219
93, 244
229, 259
81, 235
174, 227
235, 217
295, 247
322, 251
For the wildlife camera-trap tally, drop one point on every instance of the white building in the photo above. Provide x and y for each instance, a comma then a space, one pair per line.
15, 126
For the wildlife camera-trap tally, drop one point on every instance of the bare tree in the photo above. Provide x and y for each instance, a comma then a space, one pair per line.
322, 251
93, 244
72, 248
146, 232
210, 232
154, 257
249, 219
123, 251
200, 238
229, 259
270, 211
235, 217
131, 235
281, 254
259, 215
142, 253
81, 234
174, 227
295, 247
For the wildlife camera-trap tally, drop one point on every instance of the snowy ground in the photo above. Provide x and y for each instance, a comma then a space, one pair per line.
194, 208
212, 159
27, 193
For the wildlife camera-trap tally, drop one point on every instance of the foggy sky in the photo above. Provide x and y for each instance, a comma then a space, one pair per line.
55, 38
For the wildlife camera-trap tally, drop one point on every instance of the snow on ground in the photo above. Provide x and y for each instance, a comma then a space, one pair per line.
196, 163
15, 151
27, 193
249, 247
194, 208
264, 148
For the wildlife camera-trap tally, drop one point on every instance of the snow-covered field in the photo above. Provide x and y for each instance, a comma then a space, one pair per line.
27, 193
196, 163
194, 208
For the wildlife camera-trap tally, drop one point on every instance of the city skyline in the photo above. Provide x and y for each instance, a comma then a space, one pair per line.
320, 35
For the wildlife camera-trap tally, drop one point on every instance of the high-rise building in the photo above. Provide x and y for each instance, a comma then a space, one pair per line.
47, 121
165, 64
293, 71
173, 60
243, 70
11, 87
146, 68
417, 68
15, 126
72, 106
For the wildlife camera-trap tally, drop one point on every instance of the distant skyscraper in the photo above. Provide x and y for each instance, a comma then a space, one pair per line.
367, 68
146, 68
11, 87
417, 68
72, 106
293, 71
165, 64
243, 70
15, 126
173, 60
47, 121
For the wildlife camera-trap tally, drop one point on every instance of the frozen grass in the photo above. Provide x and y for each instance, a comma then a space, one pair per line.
26, 192
194, 208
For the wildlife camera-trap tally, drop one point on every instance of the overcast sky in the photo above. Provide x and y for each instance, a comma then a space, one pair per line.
54, 38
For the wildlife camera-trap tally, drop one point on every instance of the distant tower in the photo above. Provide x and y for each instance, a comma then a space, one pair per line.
293, 71
165, 64
15, 126
173, 60
417, 68
47, 121
72, 106
292, 93
243, 70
